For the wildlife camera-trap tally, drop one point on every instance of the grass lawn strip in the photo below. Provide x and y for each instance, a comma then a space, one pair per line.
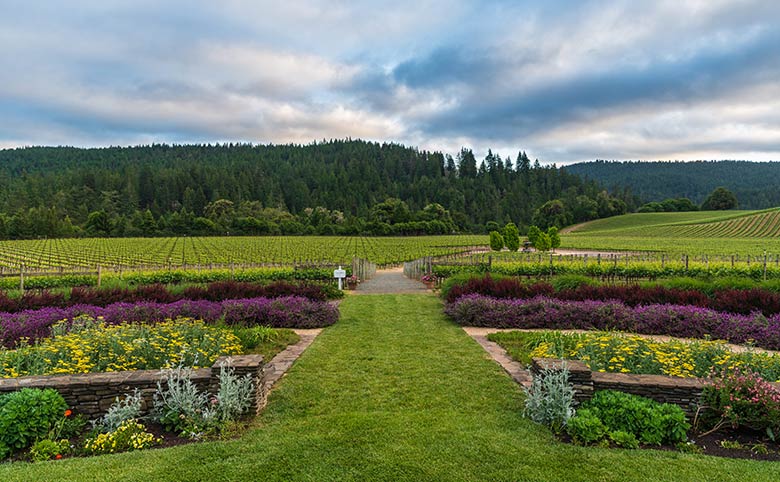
394, 391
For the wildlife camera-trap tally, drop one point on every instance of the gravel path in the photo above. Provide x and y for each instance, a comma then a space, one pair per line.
391, 281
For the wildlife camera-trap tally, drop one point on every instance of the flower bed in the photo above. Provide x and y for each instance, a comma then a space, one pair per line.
741, 301
673, 320
93, 346
619, 353
216, 291
283, 312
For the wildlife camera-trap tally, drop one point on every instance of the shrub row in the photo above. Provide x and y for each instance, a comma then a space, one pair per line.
282, 312
657, 319
635, 270
741, 301
216, 291
173, 276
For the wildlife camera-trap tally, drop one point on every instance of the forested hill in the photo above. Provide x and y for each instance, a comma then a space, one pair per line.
754, 183
329, 187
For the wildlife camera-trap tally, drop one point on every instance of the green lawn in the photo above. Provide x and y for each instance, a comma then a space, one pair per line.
394, 391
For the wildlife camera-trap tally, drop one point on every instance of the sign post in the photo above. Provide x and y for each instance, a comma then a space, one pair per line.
340, 274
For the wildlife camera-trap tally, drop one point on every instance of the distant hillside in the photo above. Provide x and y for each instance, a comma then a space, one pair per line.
754, 183
336, 187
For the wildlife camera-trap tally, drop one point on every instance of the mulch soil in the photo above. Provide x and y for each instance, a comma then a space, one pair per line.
754, 445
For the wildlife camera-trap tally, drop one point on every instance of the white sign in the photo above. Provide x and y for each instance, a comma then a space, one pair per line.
339, 273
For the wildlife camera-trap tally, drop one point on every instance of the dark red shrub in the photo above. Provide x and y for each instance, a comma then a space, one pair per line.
97, 296
505, 288
32, 301
156, 292
746, 301
8, 304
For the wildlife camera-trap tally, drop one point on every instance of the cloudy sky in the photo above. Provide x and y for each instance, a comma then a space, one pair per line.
564, 80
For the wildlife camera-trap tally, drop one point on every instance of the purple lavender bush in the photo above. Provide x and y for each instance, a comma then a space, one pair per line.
284, 312
673, 320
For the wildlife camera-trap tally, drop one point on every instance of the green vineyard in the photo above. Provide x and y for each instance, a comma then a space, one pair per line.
696, 233
156, 253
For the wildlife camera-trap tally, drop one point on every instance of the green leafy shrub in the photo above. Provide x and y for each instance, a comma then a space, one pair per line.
571, 282
585, 427
254, 336
651, 422
550, 398
48, 449
26, 416
624, 439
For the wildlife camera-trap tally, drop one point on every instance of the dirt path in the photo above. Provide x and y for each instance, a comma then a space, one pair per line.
390, 281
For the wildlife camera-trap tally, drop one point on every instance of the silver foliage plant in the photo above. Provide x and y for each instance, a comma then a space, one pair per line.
235, 394
179, 402
550, 398
128, 408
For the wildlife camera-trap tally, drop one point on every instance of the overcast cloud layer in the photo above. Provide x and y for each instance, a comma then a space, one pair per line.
566, 81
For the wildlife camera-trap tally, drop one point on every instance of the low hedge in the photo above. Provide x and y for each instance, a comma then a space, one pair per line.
659, 319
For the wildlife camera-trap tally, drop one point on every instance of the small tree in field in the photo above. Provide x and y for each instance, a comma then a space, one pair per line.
533, 234
496, 241
542, 242
555, 238
511, 237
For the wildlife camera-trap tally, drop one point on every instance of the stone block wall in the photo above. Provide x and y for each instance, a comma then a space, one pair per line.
91, 394
684, 392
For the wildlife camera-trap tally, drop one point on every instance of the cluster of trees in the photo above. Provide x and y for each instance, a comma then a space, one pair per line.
334, 187
509, 238
753, 183
718, 200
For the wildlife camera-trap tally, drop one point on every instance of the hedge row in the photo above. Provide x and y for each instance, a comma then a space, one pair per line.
172, 277
217, 291
673, 320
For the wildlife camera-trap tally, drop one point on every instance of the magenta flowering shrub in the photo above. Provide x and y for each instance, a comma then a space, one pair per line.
741, 301
674, 320
742, 399
283, 312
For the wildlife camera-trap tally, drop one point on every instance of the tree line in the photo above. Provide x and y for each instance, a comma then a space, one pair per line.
331, 187
753, 183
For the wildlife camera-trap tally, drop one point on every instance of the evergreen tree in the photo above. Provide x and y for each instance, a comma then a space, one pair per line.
533, 234
555, 238
496, 241
511, 237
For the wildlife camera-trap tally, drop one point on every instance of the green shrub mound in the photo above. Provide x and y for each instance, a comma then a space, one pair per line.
26, 416
628, 419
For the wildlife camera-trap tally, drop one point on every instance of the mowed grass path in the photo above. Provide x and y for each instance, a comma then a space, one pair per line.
394, 391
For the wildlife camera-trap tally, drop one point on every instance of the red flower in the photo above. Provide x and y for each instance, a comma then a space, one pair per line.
58, 456
68, 413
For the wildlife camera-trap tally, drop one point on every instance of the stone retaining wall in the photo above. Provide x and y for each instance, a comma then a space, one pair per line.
91, 394
684, 392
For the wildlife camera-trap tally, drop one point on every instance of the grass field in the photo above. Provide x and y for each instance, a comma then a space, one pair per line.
394, 391
704, 232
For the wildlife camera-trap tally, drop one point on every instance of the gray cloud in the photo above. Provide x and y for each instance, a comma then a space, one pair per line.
567, 80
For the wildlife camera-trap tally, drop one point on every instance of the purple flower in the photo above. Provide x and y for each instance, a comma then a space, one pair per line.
658, 319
